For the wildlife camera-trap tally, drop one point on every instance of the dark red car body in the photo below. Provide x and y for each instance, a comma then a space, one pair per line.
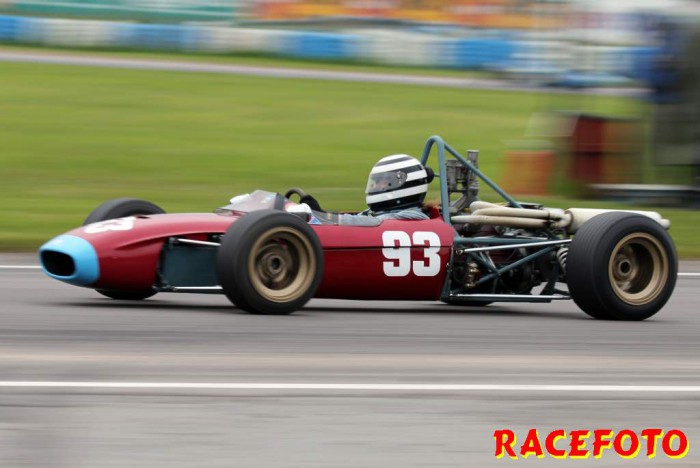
354, 262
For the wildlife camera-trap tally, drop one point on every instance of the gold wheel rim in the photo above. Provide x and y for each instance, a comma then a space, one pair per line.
281, 265
638, 269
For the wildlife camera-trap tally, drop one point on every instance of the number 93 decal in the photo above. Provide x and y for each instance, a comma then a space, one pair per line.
397, 249
120, 224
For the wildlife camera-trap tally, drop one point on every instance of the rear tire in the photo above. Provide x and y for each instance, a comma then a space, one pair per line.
621, 266
121, 208
270, 262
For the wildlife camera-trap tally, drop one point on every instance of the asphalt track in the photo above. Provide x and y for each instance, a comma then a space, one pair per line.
194, 382
96, 60
182, 380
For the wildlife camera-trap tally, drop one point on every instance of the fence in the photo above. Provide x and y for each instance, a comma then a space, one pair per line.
167, 11
499, 51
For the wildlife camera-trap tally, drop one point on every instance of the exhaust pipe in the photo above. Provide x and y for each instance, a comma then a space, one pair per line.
485, 213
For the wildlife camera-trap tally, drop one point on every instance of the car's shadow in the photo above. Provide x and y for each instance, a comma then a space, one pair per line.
446, 309
152, 304
434, 309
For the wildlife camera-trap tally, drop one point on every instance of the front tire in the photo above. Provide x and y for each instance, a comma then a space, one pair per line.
121, 208
270, 262
621, 266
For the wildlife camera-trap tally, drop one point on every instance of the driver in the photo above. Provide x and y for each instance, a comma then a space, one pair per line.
396, 188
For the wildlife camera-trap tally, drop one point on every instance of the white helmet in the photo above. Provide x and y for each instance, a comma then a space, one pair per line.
396, 182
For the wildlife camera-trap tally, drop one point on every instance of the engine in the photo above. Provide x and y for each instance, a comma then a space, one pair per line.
471, 272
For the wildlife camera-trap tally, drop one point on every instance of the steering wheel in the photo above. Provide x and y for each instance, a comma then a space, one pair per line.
295, 191
303, 198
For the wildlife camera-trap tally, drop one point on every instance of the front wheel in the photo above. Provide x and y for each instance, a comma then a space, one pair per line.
270, 262
621, 266
121, 208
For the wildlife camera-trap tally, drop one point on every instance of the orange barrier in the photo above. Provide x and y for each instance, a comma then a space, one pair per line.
507, 14
528, 172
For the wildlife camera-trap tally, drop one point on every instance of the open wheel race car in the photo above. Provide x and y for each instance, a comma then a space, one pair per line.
616, 265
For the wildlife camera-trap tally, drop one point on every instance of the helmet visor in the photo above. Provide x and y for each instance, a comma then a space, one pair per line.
385, 182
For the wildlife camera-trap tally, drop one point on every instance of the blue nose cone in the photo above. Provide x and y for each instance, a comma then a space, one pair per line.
70, 259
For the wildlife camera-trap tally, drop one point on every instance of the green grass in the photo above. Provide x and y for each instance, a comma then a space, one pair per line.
71, 137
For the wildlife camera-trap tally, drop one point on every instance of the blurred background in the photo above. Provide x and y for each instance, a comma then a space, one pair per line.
189, 102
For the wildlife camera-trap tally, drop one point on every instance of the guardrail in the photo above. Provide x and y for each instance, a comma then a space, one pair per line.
495, 50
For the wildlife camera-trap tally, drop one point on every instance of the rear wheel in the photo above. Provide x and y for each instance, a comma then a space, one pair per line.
621, 266
121, 208
270, 262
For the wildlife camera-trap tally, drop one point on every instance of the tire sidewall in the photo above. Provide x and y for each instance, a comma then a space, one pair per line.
120, 208
236, 250
614, 227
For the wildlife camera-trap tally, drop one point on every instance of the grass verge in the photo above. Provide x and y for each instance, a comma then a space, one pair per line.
75, 136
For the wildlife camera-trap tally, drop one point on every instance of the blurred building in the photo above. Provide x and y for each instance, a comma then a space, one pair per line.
509, 14
501, 14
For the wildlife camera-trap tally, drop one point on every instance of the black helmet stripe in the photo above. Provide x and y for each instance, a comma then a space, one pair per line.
392, 161
413, 183
412, 169
406, 169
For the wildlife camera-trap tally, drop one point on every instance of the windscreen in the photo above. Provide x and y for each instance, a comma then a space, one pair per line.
255, 201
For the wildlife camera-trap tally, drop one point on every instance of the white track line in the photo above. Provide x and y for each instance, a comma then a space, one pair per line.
34, 267
356, 387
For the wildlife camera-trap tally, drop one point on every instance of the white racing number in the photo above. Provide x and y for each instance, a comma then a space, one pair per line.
119, 224
397, 249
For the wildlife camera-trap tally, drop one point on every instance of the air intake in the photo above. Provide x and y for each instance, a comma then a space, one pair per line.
58, 263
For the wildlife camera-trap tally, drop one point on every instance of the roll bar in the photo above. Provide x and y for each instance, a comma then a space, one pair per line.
435, 140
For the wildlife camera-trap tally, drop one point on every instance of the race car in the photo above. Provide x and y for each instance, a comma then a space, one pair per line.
270, 257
